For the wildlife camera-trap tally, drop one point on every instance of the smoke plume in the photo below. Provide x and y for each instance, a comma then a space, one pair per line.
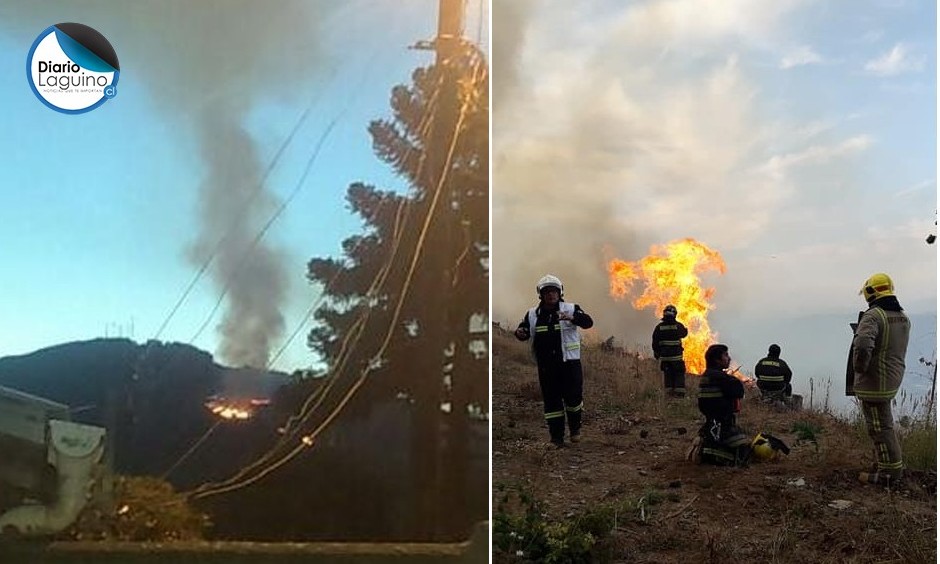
616, 136
206, 64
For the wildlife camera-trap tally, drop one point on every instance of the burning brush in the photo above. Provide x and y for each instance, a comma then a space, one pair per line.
235, 409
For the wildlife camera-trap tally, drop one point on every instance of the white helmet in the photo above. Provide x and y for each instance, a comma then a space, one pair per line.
549, 281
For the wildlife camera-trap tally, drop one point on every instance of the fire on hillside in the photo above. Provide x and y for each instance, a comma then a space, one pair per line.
235, 409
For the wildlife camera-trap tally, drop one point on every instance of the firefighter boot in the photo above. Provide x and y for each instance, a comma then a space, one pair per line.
881, 478
556, 429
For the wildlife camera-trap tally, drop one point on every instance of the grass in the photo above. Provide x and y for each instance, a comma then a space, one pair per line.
623, 395
523, 530
919, 445
915, 423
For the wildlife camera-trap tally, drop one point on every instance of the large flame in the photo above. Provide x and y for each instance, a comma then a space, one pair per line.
671, 274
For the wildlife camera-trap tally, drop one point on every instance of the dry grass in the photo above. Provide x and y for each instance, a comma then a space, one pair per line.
634, 451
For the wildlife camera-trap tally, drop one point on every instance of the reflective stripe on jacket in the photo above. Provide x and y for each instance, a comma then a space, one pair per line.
773, 374
719, 396
570, 334
880, 344
667, 340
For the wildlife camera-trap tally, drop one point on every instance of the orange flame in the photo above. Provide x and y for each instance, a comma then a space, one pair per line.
233, 409
671, 274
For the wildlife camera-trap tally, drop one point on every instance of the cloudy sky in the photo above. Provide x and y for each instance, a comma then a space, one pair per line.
107, 217
796, 137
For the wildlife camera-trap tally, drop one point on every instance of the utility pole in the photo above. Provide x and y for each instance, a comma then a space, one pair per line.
434, 420
449, 28
447, 471
464, 238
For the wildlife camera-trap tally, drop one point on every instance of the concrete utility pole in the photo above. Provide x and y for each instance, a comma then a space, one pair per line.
449, 28
447, 45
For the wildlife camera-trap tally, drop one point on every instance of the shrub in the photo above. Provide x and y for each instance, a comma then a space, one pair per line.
145, 509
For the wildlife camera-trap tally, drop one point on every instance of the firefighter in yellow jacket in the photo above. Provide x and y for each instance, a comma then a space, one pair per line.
879, 346
556, 343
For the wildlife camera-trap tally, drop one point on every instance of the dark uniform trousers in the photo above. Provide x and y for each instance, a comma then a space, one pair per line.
561, 384
673, 376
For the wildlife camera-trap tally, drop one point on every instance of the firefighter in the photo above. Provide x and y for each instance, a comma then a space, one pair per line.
667, 348
556, 343
719, 400
879, 346
773, 376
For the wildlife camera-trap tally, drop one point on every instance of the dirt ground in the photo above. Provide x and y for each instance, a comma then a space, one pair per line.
631, 465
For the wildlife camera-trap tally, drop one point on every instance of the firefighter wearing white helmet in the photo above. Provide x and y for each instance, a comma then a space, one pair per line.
553, 325
667, 348
879, 347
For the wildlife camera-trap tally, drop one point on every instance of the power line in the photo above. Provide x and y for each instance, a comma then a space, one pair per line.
261, 234
309, 439
244, 208
355, 331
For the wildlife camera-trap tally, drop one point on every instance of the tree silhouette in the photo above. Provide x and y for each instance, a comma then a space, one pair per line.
406, 305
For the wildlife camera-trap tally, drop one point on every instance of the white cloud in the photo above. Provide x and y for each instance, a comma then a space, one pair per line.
817, 154
905, 192
894, 62
803, 55
668, 19
836, 268
813, 129
648, 125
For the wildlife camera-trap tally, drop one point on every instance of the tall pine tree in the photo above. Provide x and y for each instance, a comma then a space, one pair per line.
405, 308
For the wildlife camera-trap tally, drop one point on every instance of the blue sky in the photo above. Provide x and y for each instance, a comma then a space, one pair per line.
797, 138
99, 211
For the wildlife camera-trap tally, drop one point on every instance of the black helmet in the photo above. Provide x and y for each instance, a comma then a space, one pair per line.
670, 311
774, 351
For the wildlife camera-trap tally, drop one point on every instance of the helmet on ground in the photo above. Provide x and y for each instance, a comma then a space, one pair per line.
549, 281
877, 286
670, 311
762, 450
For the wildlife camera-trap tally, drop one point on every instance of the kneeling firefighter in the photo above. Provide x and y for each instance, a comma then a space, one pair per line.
720, 394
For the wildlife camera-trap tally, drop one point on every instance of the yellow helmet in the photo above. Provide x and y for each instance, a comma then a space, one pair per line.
877, 286
762, 450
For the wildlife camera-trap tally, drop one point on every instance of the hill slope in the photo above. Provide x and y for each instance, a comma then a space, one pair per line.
151, 397
359, 482
626, 493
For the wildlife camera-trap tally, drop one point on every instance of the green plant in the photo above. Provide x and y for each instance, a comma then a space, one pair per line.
568, 544
522, 529
806, 431
521, 532
919, 445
